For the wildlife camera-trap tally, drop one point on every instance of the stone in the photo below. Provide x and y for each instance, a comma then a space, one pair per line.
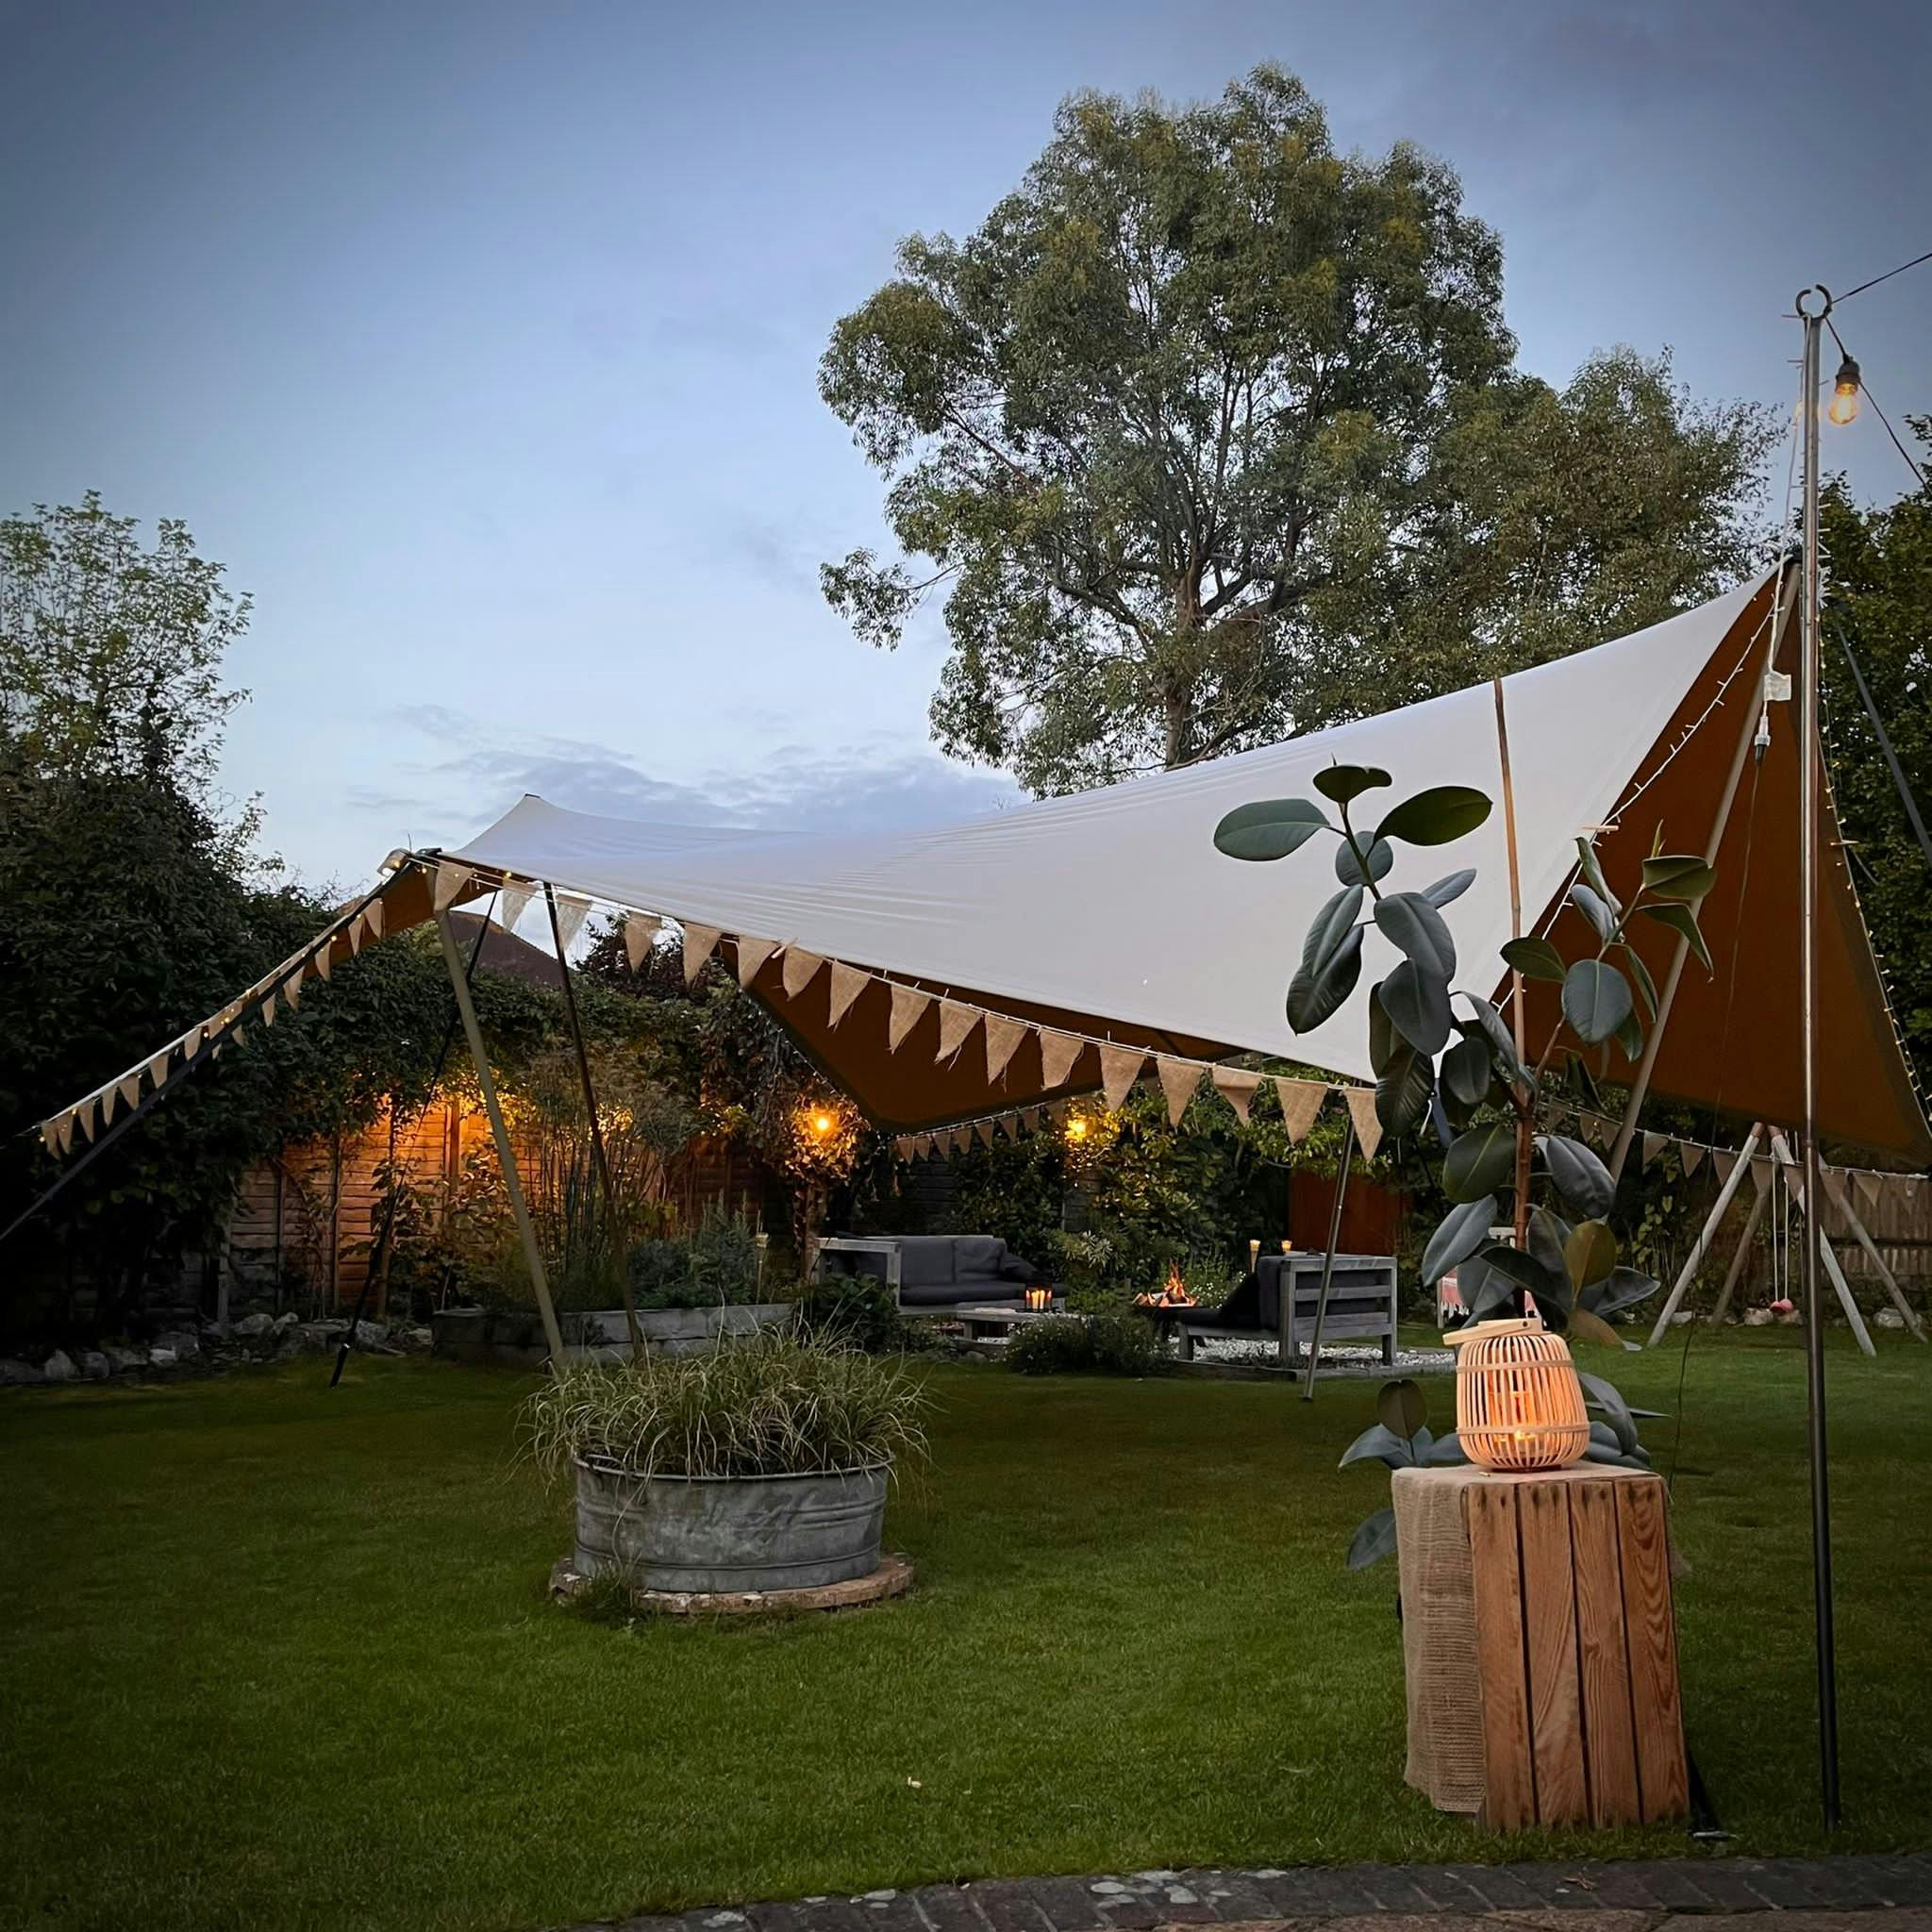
1889, 1318
283, 1323
161, 1357
370, 1334
59, 1367
180, 1341
249, 1327
416, 1338
1682, 1317
14, 1371
1758, 1317
122, 1360
94, 1365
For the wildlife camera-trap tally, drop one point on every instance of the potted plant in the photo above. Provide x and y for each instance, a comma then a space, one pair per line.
754, 1466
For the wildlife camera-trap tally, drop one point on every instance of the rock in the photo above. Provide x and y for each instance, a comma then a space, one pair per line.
1789, 1318
1758, 1317
123, 1360
59, 1367
1682, 1317
310, 1338
370, 1334
1889, 1318
249, 1327
179, 1340
162, 1358
283, 1323
417, 1338
14, 1371
94, 1365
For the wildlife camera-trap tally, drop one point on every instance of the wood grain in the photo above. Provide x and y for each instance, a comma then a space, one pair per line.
1650, 1632
1549, 1615
1509, 1777
1604, 1656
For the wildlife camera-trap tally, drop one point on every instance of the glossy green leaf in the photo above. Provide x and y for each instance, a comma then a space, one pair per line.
1379, 1443
1677, 877
1373, 1541
1315, 996
1595, 909
1343, 782
1272, 828
1466, 1072
1548, 1234
1437, 816
1410, 923
1596, 999
1589, 865
1534, 958
1404, 1088
1620, 1288
1463, 1230
1646, 986
1590, 1253
1451, 887
1493, 1028
1402, 1407
1629, 1037
1348, 867
1584, 1325
1417, 1003
1481, 1161
1608, 1397
1681, 920
1581, 1178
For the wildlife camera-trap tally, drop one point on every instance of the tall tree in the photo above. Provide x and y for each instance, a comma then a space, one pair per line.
1205, 403
1880, 605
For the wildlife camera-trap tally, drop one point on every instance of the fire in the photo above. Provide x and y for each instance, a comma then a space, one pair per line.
1174, 1292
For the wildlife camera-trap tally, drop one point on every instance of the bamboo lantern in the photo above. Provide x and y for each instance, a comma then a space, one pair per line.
1519, 1405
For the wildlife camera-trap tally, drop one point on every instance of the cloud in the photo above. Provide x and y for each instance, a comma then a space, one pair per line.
873, 786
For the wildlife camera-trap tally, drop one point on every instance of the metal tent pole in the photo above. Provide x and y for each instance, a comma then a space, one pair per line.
1810, 750
506, 1153
1327, 1268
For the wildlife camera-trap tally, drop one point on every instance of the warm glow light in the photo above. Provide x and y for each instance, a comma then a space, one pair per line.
1844, 393
1519, 1405
822, 1124
1076, 1127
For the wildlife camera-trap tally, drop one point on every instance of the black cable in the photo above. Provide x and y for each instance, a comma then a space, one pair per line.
1865, 389
1898, 776
1885, 277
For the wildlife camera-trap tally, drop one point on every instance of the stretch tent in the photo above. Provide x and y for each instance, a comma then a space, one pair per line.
1033, 954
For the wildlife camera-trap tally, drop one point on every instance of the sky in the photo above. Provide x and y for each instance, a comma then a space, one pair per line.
479, 340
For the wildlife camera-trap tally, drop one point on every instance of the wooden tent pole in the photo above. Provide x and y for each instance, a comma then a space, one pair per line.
614, 1226
1835, 1187
1327, 1270
506, 1153
1814, 1225
1736, 1273
1708, 1234
1667, 994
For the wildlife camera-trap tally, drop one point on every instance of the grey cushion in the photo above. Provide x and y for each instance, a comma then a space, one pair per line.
952, 1295
926, 1261
977, 1257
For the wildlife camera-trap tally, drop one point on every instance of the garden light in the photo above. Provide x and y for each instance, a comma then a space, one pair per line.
1844, 393
1519, 1405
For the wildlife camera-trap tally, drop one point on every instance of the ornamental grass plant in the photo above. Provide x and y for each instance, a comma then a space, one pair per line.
773, 1403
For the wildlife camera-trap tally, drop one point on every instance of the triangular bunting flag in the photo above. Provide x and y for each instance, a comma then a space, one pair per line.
752, 954
908, 1002
955, 1023
1723, 1160
355, 929
848, 982
157, 1069
1119, 1067
266, 1012
291, 991
1003, 1038
1692, 1156
1654, 1144
800, 969
1058, 1053
1368, 1123
1179, 1080
448, 884
959, 1140
84, 1118
1301, 1100
50, 1138
570, 914
905, 1147
513, 901
1054, 1111
324, 962
371, 918
1238, 1087
129, 1090
640, 930
700, 942
982, 1132
1870, 1187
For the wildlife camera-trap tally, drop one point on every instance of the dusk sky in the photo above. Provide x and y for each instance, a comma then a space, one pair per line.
479, 340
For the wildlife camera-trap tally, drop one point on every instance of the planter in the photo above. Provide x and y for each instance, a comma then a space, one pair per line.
716, 1534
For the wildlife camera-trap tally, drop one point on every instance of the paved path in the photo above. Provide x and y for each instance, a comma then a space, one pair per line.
1725, 1895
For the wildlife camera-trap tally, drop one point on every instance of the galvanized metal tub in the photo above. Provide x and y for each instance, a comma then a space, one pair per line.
730, 1533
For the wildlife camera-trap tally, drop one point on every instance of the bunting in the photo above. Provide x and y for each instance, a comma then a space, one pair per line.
1057, 1054
848, 982
1238, 1089
1654, 1144
448, 885
799, 970
1692, 1156
1301, 1100
1002, 1037
908, 1003
1178, 1081
752, 955
513, 902
955, 1023
1368, 1122
571, 912
700, 942
640, 930
1119, 1067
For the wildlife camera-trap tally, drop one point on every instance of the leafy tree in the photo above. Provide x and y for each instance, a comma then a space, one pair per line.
1881, 603
1204, 405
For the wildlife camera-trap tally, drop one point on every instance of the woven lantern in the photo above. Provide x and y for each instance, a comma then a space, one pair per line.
1519, 1405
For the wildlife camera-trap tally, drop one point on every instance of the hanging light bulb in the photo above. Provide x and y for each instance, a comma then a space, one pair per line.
1844, 393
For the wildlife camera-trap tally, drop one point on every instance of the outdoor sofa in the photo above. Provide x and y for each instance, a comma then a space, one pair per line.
932, 1272
1361, 1304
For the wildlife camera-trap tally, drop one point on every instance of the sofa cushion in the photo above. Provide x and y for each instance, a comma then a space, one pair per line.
952, 1295
977, 1257
1018, 1268
926, 1261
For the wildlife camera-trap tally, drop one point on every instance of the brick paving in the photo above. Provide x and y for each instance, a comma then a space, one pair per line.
1728, 1894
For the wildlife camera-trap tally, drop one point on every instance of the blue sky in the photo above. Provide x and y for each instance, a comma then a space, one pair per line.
479, 340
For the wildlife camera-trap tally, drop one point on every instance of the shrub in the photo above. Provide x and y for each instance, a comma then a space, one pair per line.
1105, 1344
771, 1406
717, 1264
855, 1311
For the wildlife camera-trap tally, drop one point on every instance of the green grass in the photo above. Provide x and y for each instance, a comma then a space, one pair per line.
275, 1657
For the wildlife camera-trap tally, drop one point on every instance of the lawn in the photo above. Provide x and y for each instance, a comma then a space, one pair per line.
275, 1657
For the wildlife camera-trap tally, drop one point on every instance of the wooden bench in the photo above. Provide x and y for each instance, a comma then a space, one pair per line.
1361, 1304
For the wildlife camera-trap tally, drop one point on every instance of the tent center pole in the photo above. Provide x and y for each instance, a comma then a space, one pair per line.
1327, 1268
506, 1153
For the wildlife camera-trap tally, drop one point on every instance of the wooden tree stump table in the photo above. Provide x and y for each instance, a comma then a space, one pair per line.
1539, 1645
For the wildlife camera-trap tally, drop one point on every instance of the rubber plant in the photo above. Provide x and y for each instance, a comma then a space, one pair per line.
1442, 1053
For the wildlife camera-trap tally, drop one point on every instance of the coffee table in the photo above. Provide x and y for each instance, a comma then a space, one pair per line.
982, 1319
